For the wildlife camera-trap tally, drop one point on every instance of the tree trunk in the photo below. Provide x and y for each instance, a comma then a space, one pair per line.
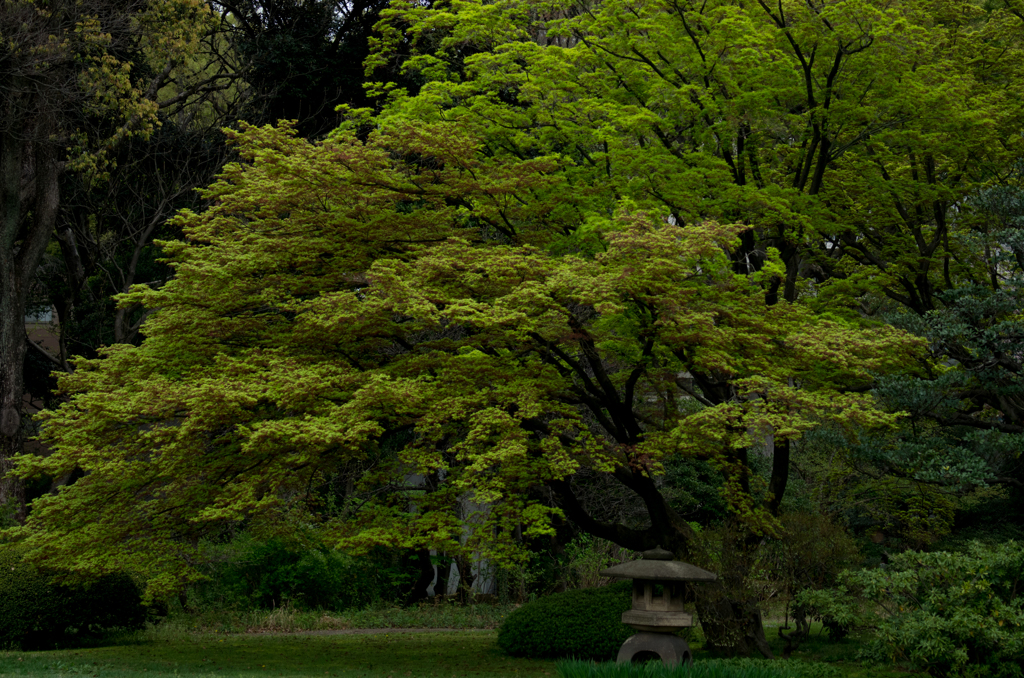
424, 580
729, 612
731, 624
464, 588
12, 490
25, 230
12, 326
444, 568
12, 357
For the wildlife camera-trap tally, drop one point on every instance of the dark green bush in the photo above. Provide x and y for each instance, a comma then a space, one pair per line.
36, 613
248, 573
585, 624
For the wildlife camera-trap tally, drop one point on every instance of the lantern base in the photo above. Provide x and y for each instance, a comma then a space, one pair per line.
672, 650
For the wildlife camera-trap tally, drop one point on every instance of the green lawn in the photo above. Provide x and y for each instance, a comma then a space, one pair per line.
461, 654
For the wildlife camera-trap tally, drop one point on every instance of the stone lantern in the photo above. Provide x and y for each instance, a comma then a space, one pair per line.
658, 582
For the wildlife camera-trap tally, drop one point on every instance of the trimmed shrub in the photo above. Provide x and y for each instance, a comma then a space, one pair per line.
36, 613
585, 624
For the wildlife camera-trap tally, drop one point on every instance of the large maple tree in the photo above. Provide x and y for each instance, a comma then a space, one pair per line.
599, 237
342, 310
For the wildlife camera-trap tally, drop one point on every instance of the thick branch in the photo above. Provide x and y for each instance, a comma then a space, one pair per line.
634, 540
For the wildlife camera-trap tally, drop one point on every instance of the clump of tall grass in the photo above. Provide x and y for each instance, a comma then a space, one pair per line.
379, 616
712, 668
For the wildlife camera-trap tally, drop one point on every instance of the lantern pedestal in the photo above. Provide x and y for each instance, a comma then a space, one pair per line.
672, 650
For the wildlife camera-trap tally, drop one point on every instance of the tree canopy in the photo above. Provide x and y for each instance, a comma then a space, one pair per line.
319, 322
598, 236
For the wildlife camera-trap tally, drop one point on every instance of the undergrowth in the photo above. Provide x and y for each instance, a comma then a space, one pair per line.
290, 620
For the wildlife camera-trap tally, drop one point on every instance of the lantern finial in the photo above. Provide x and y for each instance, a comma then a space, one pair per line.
658, 553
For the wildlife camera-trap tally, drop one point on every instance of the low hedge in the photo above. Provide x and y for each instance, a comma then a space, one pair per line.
585, 624
35, 613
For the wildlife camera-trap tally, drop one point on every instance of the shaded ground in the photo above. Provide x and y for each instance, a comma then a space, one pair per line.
287, 620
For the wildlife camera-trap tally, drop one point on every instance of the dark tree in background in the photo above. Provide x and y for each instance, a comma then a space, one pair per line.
77, 79
261, 62
105, 235
302, 59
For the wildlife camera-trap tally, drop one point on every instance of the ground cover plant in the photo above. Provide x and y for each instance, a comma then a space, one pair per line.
819, 649
952, 614
249, 573
440, 615
36, 612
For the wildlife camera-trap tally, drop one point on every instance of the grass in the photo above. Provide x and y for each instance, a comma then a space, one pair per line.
387, 655
816, 649
180, 649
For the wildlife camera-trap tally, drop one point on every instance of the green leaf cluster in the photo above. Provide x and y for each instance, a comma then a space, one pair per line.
609, 237
339, 293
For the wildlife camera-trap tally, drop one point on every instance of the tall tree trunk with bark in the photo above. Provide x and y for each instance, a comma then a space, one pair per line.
28, 210
729, 612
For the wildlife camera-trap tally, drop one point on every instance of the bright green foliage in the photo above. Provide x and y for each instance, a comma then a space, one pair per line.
376, 310
875, 145
714, 668
800, 119
79, 78
37, 613
584, 624
607, 238
953, 614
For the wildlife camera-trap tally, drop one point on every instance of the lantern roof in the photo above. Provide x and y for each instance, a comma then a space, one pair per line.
657, 564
